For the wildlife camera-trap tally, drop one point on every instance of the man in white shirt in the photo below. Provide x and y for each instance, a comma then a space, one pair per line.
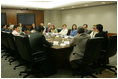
16, 30
64, 31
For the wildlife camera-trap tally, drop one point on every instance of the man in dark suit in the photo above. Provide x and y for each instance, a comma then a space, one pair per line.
48, 28
38, 41
33, 27
25, 31
40, 45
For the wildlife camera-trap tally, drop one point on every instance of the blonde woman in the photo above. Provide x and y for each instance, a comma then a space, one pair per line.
94, 32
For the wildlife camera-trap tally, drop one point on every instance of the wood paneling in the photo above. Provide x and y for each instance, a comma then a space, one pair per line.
110, 34
12, 15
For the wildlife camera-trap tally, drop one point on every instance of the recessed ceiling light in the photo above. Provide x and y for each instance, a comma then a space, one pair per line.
103, 2
86, 5
73, 7
62, 8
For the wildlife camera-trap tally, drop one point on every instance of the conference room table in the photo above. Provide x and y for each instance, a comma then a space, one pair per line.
60, 50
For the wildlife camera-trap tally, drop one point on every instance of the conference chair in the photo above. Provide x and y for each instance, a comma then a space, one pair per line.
59, 29
13, 49
109, 52
4, 42
69, 30
86, 65
33, 60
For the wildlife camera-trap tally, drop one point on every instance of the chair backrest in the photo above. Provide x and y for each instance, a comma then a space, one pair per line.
23, 47
11, 41
92, 50
112, 46
4, 39
69, 30
59, 29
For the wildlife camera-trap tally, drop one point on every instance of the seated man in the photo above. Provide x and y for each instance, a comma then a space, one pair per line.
38, 41
16, 30
79, 43
85, 26
3, 27
40, 45
8, 29
48, 28
104, 59
24, 31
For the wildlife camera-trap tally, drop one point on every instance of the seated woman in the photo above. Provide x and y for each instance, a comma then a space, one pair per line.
94, 32
53, 29
64, 31
78, 43
16, 30
74, 30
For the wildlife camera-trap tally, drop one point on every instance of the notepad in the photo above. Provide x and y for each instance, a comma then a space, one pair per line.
62, 44
66, 42
55, 42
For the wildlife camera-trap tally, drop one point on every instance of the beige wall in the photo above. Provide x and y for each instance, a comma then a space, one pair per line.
105, 15
54, 17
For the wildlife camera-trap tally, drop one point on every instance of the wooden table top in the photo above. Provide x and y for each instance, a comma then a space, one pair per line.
61, 41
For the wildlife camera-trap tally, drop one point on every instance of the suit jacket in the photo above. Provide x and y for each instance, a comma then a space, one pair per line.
32, 28
47, 29
38, 42
79, 43
88, 31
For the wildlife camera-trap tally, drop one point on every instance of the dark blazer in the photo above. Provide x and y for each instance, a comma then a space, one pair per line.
7, 30
38, 42
103, 34
32, 28
88, 31
47, 29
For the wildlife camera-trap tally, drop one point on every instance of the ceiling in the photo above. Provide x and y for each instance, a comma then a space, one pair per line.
51, 4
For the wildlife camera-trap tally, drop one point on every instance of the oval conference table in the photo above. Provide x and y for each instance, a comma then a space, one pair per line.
60, 50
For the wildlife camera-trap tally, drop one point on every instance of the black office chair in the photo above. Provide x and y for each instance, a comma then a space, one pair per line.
32, 60
91, 56
13, 49
5, 44
69, 30
109, 52
59, 29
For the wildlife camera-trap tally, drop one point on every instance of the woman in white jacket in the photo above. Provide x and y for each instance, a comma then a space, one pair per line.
94, 32
64, 31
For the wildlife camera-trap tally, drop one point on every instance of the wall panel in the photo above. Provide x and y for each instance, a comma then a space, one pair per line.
12, 15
